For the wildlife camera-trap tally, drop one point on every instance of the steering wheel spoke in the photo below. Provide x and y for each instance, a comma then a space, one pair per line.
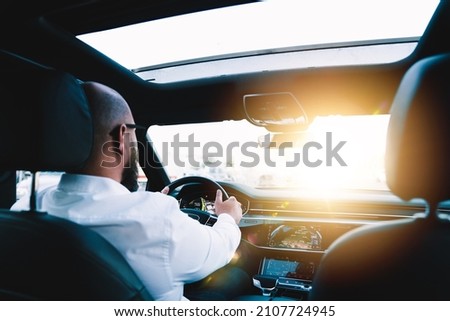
203, 217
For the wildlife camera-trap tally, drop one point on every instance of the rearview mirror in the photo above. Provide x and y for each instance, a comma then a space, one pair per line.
277, 112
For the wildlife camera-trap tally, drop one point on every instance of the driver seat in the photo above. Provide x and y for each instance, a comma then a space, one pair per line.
405, 259
46, 125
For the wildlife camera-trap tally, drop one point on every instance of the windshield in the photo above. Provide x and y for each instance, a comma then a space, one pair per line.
336, 152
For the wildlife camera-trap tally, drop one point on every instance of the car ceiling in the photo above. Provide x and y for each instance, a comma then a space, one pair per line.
45, 32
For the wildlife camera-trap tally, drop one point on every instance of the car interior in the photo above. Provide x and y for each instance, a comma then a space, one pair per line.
342, 168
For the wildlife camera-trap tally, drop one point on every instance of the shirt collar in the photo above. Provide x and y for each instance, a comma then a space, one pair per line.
91, 184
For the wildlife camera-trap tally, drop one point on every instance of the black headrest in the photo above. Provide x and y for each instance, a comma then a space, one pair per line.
45, 122
418, 144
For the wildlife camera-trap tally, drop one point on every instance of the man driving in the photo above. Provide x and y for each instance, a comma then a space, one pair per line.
165, 247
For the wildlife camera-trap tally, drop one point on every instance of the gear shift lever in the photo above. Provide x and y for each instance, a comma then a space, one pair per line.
267, 284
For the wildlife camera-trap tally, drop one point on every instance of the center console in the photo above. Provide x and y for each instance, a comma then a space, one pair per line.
280, 275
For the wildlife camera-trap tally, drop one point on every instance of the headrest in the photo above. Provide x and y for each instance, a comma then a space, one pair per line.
418, 144
45, 122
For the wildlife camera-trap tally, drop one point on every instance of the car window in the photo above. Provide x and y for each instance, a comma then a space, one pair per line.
47, 179
334, 152
24, 178
280, 35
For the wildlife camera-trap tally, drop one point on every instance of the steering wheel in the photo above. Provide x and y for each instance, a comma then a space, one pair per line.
207, 184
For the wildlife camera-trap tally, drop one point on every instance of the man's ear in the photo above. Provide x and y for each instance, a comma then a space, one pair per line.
121, 139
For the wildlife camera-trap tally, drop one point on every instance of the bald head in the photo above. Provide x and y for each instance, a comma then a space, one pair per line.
109, 109
113, 154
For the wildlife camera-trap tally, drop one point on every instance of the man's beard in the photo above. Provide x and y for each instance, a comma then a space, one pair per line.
131, 172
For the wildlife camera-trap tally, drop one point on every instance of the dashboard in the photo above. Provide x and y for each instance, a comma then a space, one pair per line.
304, 237
285, 235
198, 202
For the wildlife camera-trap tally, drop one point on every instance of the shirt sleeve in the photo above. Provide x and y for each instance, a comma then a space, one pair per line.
198, 250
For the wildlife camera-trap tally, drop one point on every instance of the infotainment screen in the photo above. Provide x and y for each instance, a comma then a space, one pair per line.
287, 268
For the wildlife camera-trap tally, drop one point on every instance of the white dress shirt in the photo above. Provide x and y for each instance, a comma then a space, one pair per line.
163, 245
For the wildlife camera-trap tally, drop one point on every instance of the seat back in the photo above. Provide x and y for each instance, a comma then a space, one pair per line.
46, 125
405, 259
48, 258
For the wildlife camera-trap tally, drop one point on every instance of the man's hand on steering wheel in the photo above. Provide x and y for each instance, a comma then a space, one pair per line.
231, 206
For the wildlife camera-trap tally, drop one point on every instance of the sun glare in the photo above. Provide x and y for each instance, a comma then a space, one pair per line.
337, 152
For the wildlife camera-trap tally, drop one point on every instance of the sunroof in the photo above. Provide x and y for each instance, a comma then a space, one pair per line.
263, 27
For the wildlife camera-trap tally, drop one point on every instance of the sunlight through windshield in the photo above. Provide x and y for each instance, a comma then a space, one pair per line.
336, 152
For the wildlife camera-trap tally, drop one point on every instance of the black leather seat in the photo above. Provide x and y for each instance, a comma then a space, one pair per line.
46, 125
406, 259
